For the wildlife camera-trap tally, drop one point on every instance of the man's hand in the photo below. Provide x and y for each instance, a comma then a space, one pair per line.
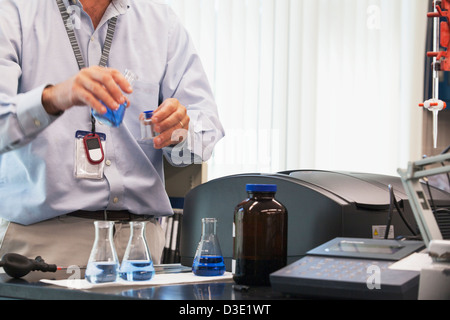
87, 87
171, 115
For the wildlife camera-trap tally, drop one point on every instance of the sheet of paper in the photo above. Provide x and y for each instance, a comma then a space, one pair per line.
413, 262
158, 279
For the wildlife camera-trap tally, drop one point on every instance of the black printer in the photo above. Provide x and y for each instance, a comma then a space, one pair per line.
322, 205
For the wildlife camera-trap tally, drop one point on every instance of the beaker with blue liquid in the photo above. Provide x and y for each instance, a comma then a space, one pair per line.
114, 118
137, 263
103, 264
208, 259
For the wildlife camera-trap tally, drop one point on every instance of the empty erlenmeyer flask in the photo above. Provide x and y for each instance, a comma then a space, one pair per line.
103, 263
137, 263
208, 260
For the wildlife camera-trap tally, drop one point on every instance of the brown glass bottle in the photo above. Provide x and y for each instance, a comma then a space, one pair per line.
259, 236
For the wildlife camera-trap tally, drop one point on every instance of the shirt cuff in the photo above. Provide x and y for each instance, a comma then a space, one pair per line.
183, 153
31, 114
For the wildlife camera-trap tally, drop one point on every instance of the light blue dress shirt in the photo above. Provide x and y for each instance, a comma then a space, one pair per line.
37, 151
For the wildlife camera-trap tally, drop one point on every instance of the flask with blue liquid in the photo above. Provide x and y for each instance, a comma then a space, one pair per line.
114, 118
208, 260
137, 263
103, 264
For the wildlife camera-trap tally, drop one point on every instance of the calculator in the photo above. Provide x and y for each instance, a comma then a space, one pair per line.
344, 273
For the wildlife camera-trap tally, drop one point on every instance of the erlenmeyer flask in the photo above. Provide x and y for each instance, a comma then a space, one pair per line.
103, 263
137, 263
114, 118
208, 260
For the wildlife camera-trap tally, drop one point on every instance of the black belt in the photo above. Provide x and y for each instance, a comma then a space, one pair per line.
122, 215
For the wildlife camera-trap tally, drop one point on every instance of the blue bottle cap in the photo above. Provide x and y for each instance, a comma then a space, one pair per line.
261, 187
148, 114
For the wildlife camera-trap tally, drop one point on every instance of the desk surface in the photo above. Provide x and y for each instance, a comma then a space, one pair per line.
30, 287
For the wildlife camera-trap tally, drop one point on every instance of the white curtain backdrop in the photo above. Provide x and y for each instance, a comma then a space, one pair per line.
312, 84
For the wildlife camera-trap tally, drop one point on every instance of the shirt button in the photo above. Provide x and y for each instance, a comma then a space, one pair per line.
108, 162
92, 38
115, 200
37, 123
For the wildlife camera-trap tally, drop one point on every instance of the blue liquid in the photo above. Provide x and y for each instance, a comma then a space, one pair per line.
208, 266
137, 270
101, 272
112, 118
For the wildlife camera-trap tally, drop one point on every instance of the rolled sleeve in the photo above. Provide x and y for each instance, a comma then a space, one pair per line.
31, 114
22, 118
185, 79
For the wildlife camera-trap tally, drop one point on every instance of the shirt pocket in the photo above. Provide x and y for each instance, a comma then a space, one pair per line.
145, 97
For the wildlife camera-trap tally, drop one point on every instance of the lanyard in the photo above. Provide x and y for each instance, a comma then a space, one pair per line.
75, 47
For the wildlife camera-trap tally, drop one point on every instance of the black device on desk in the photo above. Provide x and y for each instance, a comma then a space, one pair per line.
322, 205
351, 268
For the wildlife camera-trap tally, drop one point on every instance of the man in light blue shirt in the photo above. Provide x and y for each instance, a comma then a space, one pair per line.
45, 99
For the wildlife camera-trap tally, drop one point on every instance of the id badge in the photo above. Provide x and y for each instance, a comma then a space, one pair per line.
89, 155
93, 148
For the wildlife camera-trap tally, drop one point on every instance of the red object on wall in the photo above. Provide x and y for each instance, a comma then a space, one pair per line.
443, 57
